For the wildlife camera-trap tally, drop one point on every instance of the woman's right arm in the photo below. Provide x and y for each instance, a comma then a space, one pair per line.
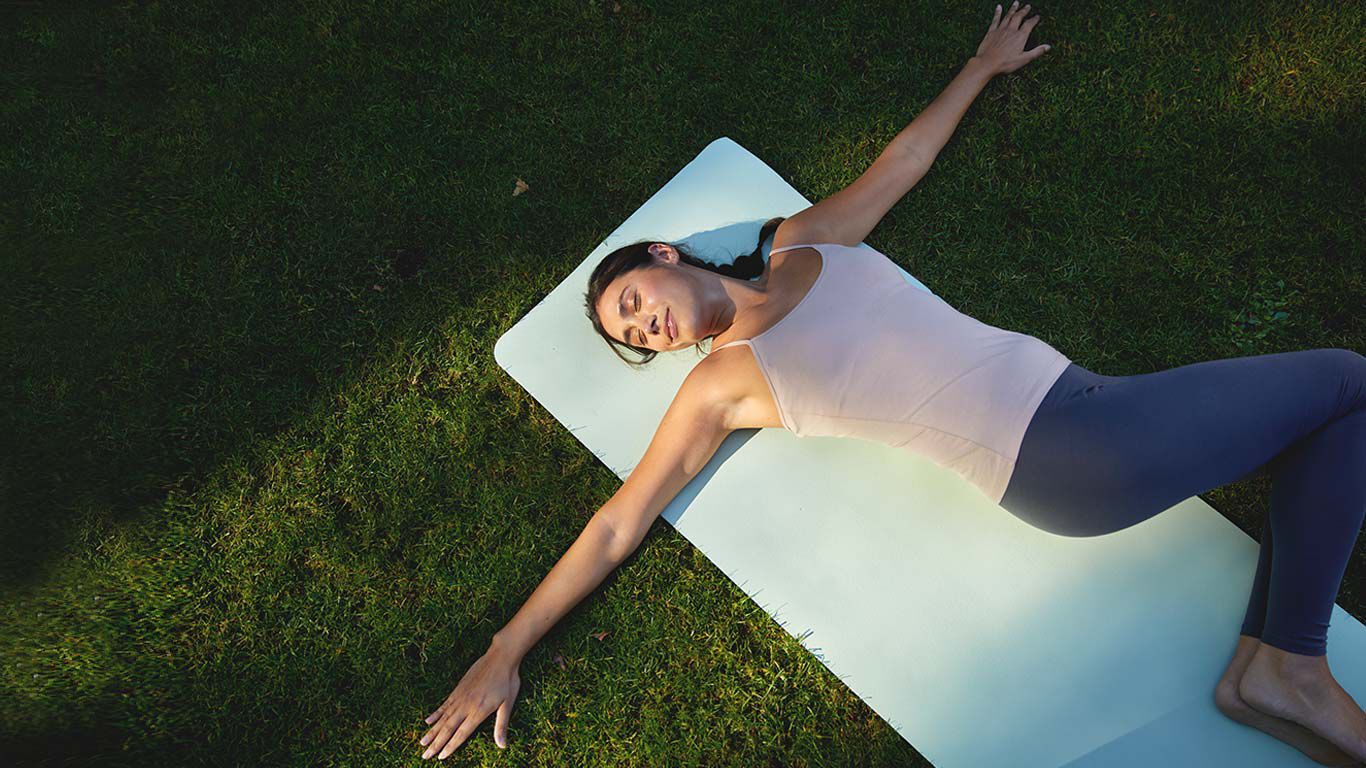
693, 427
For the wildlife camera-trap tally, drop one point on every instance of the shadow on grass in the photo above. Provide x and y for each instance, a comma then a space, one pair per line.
204, 721
139, 372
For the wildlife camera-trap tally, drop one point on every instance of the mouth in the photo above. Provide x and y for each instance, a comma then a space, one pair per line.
668, 324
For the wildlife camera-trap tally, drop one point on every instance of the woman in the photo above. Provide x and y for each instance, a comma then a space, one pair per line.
831, 340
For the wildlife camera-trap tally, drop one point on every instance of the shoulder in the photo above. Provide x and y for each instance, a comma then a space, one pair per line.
713, 380
721, 386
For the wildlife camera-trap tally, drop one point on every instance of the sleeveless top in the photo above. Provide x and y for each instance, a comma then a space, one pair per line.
867, 354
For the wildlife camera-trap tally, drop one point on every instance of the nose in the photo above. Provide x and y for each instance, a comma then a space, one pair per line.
653, 327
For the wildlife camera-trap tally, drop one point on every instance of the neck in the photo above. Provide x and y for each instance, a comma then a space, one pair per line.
734, 299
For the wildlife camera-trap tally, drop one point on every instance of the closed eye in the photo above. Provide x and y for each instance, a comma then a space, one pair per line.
642, 333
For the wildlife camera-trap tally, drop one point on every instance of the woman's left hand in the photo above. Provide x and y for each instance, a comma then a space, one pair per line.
1002, 50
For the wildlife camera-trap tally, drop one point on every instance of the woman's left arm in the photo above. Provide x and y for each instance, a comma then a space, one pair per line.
848, 216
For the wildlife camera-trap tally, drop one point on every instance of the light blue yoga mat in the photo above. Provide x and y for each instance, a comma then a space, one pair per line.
981, 640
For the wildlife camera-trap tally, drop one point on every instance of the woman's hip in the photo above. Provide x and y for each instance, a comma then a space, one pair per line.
1102, 453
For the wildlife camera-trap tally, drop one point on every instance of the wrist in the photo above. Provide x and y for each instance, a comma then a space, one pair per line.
980, 65
505, 648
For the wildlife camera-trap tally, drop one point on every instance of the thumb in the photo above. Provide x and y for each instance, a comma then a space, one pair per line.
500, 723
1038, 51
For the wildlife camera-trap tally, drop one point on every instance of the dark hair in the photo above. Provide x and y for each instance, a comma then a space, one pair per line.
636, 255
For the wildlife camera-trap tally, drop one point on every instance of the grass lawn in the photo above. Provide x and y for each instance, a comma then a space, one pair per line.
266, 494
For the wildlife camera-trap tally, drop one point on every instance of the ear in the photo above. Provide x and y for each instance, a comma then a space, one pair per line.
664, 253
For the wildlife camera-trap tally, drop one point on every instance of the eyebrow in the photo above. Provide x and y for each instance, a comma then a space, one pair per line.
621, 304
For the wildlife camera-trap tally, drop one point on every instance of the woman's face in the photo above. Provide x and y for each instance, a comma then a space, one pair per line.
654, 307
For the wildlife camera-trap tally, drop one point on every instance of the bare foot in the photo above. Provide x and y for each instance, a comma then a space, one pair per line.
1228, 701
1301, 689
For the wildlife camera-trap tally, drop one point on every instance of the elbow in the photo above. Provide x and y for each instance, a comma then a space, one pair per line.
622, 530
621, 544
915, 156
618, 544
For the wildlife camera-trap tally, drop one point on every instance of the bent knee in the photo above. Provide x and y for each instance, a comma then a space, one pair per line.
1340, 360
1351, 366
1348, 358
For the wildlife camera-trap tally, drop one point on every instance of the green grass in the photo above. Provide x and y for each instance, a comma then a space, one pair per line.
266, 493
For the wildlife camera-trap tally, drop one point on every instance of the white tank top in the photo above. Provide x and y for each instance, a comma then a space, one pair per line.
866, 354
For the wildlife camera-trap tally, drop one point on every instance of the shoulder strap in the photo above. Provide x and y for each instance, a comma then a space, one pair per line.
790, 247
731, 344
775, 250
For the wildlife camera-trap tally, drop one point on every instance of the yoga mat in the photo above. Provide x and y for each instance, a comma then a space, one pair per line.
981, 640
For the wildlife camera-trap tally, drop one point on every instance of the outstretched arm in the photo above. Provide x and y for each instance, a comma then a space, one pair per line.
692, 429
847, 216
1000, 52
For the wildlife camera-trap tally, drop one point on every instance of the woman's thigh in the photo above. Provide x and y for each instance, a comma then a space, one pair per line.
1103, 453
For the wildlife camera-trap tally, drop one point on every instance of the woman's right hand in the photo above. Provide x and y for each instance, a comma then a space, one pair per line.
491, 683
1002, 50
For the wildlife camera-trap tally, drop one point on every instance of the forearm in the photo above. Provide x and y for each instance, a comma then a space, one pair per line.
579, 571
930, 130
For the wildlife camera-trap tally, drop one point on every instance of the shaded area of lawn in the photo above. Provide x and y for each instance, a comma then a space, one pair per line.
266, 493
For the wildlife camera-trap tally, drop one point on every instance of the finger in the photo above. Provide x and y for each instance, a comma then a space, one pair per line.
442, 714
995, 20
433, 740
1019, 17
500, 723
1010, 14
430, 734
442, 707
462, 733
1028, 26
443, 733
1037, 51
426, 737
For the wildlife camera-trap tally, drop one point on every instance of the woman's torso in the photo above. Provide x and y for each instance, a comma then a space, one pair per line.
848, 347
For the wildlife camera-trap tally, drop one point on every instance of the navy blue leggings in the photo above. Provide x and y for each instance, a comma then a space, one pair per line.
1103, 453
